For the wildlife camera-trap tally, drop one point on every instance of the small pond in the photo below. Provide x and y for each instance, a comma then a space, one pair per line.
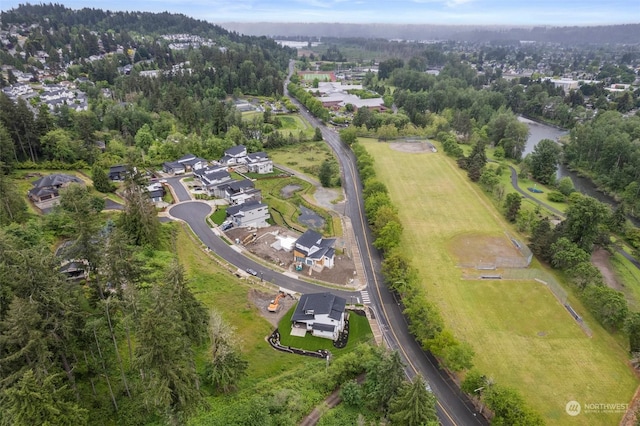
310, 218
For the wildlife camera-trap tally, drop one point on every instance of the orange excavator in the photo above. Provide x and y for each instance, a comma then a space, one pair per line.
275, 303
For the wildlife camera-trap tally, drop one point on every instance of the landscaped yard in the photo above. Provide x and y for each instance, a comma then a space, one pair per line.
523, 337
359, 332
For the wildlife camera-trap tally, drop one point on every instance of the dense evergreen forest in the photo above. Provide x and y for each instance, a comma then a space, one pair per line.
179, 101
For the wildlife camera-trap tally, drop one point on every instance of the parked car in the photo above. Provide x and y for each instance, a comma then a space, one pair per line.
252, 272
226, 226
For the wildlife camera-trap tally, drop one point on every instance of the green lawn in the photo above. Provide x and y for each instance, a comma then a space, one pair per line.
294, 124
521, 335
359, 332
304, 157
219, 215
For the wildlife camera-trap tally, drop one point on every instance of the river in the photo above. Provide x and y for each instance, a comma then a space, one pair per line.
539, 131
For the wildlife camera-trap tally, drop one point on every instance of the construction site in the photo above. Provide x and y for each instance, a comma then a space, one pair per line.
274, 245
272, 305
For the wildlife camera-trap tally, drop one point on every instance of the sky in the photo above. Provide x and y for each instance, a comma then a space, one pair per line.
443, 12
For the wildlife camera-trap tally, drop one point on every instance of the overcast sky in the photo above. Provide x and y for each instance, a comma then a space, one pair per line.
453, 12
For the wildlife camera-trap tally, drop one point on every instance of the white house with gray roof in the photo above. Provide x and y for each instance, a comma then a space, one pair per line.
257, 162
252, 214
322, 314
314, 251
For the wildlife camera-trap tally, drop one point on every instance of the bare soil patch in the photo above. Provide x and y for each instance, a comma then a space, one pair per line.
413, 147
600, 259
342, 272
476, 250
262, 300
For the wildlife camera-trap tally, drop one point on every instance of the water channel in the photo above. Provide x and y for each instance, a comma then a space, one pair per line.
539, 131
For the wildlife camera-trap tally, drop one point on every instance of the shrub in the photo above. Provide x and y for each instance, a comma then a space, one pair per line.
556, 197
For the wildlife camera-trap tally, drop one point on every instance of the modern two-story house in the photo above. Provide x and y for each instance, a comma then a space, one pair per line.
322, 314
314, 251
250, 214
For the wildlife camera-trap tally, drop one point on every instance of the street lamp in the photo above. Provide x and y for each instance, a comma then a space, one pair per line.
479, 399
404, 287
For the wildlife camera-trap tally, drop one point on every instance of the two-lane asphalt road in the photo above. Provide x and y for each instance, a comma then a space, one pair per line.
454, 407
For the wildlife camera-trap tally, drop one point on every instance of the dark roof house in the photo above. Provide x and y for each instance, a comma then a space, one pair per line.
47, 187
313, 250
323, 314
117, 172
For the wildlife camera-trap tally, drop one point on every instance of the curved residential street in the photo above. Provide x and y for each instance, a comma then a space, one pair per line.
194, 213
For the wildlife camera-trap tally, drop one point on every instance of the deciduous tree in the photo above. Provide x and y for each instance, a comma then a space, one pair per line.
544, 161
584, 218
512, 206
632, 328
608, 305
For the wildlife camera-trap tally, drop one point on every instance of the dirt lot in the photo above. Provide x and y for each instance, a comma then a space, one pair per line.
262, 300
341, 273
413, 147
600, 259
474, 249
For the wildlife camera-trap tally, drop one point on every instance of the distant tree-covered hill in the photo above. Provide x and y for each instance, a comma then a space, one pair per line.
612, 34
53, 15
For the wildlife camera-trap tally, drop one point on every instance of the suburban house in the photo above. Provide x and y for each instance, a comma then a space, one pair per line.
233, 155
174, 168
241, 191
73, 269
323, 314
212, 179
118, 172
250, 214
259, 162
47, 188
184, 164
314, 251
191, 162
156, 192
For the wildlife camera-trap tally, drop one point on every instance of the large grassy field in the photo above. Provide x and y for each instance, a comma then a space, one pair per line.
521, 335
